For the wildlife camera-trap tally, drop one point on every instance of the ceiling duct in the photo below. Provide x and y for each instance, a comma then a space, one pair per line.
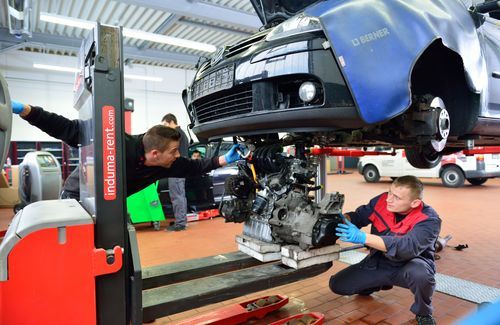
20, 17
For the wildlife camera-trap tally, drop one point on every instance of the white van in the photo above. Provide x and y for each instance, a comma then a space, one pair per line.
453, 170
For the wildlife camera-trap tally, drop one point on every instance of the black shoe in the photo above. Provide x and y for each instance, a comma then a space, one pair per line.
176, 228
425, 320
368, 292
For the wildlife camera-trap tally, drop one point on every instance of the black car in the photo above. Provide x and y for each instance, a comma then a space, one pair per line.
421, 75
203, 192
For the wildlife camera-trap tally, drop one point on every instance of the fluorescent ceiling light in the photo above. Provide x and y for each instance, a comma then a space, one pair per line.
68, 21
157, 38
146, 78
54, 67
75, 70
127, 32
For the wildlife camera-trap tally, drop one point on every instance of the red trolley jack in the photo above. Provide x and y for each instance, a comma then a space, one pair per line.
239, 313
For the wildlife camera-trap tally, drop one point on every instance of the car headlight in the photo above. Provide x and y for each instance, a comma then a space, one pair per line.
298, 24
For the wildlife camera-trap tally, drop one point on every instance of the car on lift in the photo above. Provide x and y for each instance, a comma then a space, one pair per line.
420, 75
453, 170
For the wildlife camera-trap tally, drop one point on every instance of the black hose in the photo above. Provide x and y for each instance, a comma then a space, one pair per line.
487, 7
351, 248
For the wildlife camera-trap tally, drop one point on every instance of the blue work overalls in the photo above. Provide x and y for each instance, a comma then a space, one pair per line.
409, 260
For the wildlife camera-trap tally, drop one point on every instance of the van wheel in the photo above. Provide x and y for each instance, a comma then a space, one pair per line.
477, 181
452, 176
371, 174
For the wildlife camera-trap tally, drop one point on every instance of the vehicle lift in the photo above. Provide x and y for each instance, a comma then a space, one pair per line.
69, 262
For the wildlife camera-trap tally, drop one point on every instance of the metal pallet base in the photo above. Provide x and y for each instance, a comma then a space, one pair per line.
213, 279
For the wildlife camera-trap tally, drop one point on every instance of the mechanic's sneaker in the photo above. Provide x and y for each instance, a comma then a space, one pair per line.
368, 292
425, 320
176, 228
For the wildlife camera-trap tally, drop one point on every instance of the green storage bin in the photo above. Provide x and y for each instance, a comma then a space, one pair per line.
145, 206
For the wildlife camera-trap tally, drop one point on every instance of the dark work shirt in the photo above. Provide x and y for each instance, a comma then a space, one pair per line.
183, 143
399, 217
139, 176
405, 236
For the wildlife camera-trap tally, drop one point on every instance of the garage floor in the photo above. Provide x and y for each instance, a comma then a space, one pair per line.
470, 214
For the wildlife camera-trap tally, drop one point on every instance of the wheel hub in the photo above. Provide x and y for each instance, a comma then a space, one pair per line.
443, 124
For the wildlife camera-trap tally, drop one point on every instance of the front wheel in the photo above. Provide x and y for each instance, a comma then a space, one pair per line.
452, 176
371, 174
477, 181
423, 156
437, 120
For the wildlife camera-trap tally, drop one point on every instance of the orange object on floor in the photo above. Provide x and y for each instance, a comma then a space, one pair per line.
238, 313
203, 215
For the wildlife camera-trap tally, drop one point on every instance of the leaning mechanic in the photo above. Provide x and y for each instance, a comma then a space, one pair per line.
149, 157
404, 231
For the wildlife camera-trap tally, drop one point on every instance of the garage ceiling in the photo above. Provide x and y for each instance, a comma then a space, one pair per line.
215, 22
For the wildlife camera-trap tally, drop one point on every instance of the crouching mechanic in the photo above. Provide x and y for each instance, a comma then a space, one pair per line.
149, 157
403, 233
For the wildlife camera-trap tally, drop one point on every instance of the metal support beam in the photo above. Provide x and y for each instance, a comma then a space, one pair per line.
201, 10
20, 17
321, 179
4, 48
73, 44
169, 22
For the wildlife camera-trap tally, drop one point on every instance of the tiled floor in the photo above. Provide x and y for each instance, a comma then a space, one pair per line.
470, 214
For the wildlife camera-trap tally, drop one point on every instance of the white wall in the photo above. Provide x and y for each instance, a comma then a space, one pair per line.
54, 91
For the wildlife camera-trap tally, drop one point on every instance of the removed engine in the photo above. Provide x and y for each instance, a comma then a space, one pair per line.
272, 195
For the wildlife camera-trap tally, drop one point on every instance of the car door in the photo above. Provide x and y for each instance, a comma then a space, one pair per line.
387, 165
490, 31
219, 175
492, 162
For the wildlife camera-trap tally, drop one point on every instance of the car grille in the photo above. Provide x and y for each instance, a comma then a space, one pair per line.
230, 51
226, 104
245, 44
214, 82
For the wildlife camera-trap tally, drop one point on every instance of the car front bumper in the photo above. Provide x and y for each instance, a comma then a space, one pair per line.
257, 93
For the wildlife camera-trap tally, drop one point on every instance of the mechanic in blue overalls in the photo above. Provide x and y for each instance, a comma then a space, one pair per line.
403, 234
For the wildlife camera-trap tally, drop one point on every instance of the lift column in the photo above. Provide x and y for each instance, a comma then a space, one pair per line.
99, 100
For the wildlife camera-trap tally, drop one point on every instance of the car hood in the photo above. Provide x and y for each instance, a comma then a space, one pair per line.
273, 12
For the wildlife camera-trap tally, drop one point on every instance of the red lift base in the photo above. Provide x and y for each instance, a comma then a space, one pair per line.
239, 313
203, 215
312, 318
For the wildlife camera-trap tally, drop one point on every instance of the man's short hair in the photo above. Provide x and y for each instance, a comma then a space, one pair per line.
158, 137
169, 118
413, 183
196, 151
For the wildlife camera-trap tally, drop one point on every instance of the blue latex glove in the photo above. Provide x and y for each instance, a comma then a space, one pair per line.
17, 107
350, 233
233, 154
